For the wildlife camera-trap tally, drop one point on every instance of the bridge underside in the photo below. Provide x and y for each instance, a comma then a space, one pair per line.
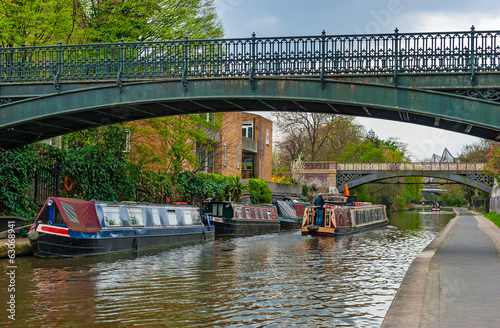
357, 178
34, 115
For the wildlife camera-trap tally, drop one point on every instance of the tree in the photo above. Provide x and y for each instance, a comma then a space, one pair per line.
37, 22
148, 20
315, 135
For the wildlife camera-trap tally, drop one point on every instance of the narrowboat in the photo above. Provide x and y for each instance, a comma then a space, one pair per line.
286, 215
343, 215
235, 219
70, 227
436, 207
300, 205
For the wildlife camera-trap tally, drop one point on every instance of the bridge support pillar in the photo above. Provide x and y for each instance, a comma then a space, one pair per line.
495, 199
321, 175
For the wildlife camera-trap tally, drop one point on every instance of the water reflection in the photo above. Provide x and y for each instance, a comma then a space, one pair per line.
281, 279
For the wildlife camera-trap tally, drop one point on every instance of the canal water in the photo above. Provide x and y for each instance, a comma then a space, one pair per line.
273, 280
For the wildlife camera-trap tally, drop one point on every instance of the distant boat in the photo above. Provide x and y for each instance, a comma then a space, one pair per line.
70, 227
235, 219
343, 215
436, 207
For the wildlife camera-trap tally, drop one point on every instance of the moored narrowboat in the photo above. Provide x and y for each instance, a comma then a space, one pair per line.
300, 205
234, 219
71, 227
286, 215
342, 215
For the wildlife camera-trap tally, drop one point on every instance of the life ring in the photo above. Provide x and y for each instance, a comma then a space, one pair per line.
68, 184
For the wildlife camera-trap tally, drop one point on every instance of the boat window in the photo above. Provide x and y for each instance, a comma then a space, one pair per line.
262, 214
112, 216
188, 219
221, 209
239, 213
156, 217
269, 216
172, 218
135, 216
214, 209
247, 212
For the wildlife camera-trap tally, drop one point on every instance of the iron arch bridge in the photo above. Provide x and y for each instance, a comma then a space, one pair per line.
357, 174
448, 80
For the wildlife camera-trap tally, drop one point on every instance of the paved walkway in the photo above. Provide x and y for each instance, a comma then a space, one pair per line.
455, 281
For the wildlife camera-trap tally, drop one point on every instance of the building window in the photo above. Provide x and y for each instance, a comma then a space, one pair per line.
247, 130
239, 156
206, 161
127, 141
225, 154
267, 137
247, 163
210, 117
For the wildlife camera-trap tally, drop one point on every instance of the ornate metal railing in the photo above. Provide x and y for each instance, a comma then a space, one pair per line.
416, 166
443, 52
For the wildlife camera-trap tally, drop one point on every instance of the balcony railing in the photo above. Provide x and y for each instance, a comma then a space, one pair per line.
416, 166
396, 53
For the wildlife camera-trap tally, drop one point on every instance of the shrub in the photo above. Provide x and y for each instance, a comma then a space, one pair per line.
305, 190
259, 191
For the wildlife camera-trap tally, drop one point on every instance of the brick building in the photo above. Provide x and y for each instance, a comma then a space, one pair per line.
243, 146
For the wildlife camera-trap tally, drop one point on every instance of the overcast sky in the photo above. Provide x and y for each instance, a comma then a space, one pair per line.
309, 17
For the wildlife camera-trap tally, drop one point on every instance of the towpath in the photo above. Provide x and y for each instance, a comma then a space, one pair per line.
455, 281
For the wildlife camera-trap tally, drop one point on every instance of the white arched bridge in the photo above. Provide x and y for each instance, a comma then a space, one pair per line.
332, 174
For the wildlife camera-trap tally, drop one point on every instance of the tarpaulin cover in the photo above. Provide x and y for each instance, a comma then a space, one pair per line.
79, 215
286, 209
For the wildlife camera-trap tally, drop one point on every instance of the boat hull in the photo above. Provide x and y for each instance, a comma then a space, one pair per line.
290, 224
49, 245
245, 227
323, 231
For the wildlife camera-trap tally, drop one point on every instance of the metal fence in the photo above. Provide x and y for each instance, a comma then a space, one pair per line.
321, 55
416, 166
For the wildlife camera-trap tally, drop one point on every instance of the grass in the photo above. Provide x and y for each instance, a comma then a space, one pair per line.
493, 217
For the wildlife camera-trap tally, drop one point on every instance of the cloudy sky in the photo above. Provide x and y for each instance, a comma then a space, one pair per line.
309, 17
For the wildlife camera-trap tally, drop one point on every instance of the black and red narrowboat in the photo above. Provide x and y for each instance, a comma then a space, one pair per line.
71, 227
235, 219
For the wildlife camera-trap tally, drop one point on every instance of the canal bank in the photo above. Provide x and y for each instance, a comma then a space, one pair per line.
454, 281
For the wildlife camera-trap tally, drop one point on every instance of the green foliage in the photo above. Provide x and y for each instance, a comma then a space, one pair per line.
259, 191
236, 188
17, 173
36, 22
493, 217
95, 161
148, 20
363, 152
305, 190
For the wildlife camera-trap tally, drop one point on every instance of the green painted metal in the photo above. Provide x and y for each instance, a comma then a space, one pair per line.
29, 120
394, 54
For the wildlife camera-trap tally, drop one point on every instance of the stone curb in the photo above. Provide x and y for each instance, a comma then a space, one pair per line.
406, 308
22, 247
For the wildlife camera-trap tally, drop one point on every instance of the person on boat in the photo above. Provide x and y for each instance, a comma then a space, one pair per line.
319, 203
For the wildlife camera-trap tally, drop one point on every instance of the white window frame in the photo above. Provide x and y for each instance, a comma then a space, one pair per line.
245, 127
267, 137
225, 154
171, 217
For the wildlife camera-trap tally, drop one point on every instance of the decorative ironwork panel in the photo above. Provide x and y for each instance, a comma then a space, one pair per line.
344, 178
487, 180
320, 55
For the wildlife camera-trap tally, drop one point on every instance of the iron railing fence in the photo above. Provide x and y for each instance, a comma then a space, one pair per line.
397, 53
414, 166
